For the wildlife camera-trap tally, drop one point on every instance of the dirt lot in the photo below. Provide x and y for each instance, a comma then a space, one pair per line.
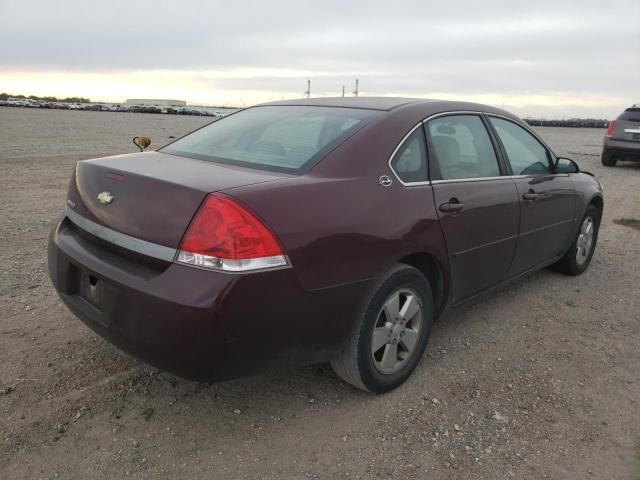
538, 380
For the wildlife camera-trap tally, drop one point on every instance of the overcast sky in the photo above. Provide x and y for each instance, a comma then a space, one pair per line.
541, 58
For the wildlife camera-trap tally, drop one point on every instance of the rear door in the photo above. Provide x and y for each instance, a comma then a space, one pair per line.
477, 206
547, 199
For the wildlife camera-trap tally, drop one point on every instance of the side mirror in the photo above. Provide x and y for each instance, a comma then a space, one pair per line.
566, 165
141, 142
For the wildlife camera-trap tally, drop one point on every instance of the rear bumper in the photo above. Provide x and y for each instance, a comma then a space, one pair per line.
626, 150
200, 324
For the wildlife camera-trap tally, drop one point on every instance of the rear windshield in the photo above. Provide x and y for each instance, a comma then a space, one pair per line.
632, 114
281, 138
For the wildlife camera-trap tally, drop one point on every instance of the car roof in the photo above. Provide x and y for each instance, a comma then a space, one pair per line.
369, 103
405, 107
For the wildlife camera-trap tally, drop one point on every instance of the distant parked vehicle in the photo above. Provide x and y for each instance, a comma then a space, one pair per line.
622, 140
191, 111
144, 109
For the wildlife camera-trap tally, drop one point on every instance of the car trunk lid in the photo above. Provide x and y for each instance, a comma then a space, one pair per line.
152, 196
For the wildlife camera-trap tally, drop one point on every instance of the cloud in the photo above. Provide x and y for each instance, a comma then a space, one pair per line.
585, 51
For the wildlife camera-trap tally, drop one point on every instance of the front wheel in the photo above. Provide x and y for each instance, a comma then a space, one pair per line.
579, 255
389, 338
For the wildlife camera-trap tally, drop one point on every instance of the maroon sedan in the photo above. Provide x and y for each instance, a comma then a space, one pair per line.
315, 230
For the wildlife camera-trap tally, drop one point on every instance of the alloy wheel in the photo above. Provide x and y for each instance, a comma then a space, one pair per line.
585, 240
396, 331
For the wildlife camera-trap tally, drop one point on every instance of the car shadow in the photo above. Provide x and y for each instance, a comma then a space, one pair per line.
279, 395
627, 165
291, 392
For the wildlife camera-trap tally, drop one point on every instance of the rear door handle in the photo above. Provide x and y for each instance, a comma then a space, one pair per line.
451, 207
531, 195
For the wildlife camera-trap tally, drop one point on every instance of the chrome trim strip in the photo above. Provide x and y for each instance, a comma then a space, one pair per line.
474, 179
395, 150
632, 130
471, 179
455, 112
122, 240
480, 179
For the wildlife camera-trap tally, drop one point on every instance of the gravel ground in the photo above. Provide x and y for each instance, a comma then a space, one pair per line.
538, 380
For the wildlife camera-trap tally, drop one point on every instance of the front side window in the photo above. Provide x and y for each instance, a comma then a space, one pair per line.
462, 148
410, 161
277, 137
525, 153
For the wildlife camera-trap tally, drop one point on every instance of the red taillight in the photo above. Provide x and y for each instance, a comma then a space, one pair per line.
610, 128
225, 236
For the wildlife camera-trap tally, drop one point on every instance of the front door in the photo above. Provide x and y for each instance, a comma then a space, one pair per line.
547, 199
477, 206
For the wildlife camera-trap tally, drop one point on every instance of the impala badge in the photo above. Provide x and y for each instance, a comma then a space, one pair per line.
105, 198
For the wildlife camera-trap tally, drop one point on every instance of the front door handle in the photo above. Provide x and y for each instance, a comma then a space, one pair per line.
531, 196
453, 206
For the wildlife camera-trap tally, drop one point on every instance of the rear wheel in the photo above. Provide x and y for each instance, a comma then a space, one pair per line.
390, 336
608, 160
578, 257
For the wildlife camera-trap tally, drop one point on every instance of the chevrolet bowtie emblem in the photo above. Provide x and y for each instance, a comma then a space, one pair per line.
105, 198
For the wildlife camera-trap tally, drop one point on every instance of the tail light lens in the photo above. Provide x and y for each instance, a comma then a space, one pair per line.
610, 128
225, 236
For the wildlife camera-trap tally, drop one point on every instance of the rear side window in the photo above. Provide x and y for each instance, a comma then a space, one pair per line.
462, 148
410, 161
631, 114
525, 153
282, 138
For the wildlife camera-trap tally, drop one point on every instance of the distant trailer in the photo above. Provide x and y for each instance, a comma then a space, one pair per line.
156, 102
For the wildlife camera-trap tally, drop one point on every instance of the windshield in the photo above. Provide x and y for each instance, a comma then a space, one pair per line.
283, 138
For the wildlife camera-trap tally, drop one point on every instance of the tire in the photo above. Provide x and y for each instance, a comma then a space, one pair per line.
576, 260
389, 366
608, 160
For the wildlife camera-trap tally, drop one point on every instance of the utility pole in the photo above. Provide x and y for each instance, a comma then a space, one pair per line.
307, 92
355, 92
